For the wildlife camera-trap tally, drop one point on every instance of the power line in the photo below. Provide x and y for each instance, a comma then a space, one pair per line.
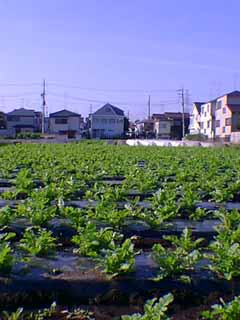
109, 90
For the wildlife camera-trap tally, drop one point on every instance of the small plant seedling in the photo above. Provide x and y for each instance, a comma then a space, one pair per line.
153, 309
38, 242
224, 311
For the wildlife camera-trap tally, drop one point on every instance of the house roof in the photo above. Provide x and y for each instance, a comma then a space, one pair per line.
232, 93
116, 110
198, 105
176, 115
64, 113
22, 112
234, 107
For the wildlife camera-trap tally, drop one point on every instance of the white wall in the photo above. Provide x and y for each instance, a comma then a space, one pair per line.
73, 124
111, 124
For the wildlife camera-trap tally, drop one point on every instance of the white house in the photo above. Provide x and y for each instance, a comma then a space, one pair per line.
23, 120
65, 122
107, 122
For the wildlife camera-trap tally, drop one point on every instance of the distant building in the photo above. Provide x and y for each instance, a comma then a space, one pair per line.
177, 124
145, 128
227, 116
3, 124
195, 118
23, 120
107, 122
162, 126
66, 122
219, 118
3, 121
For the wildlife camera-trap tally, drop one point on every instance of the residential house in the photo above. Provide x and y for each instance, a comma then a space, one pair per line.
177, 124
65, 122
162, 126
195, 118
3, 124
23, 120
145, 128
107, 122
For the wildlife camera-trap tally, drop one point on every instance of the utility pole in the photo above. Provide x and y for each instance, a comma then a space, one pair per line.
181, 91
43, 95
149, 107
183, 111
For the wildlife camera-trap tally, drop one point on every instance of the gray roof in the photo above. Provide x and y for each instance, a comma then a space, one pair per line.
64, 113
198, 105
22, 112
116, 110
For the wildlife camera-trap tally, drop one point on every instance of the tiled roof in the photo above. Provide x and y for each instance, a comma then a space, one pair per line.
118, 111
22, 112
64, 113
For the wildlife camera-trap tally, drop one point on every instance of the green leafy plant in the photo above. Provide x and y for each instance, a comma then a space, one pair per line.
90, 241
6, 252
154, 309
38, 208
179, 260
224, 311
7, 214
119, 260
16, 315
24, 182
38, 242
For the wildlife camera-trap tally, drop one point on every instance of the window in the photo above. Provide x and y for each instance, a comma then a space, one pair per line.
217, 123
208, 108
224, 129
13, 118
111, 120
202, 110
61, 121
228, 122
201, 125
208, 123
224, 110
205, 114
219, 104
104, 120
163, 125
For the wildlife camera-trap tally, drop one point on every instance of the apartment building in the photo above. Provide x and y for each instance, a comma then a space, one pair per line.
219, 118
228, 115
195, 118
207, 119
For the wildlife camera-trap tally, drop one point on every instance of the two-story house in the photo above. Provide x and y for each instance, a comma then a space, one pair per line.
162, 126
65, 122
107, 122
23, 120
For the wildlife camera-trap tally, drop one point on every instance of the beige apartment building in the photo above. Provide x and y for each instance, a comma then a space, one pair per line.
228, 115
219, 118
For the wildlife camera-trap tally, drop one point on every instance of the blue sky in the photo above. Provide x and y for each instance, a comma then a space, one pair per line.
117, 51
